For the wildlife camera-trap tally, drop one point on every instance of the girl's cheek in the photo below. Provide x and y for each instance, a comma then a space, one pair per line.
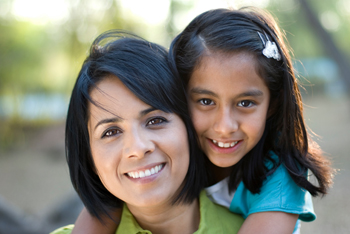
200, 122
195, 116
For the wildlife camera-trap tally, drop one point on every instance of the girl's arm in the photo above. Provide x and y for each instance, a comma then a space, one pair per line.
87, 224
274, 222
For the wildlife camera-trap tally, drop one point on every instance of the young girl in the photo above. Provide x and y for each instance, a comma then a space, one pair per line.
128, 141
247, 111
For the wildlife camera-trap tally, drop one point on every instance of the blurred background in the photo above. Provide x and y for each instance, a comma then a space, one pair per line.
44, 42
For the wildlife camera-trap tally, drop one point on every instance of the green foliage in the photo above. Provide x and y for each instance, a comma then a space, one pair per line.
44, 58
299, 31
19, 54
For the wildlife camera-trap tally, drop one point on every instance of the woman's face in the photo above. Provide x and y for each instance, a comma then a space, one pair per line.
228, 102
141, 154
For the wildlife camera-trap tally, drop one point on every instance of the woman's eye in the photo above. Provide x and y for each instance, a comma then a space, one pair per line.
206, 102
245, 103
111, 132
156, 121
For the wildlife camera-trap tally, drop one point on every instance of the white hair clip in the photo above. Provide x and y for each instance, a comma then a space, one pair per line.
270, 50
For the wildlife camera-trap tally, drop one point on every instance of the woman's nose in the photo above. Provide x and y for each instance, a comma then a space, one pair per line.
137, 143
225, 123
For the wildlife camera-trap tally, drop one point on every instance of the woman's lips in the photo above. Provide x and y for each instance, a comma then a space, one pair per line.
146, 172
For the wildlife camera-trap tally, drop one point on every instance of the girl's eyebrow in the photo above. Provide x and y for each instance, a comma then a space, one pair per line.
203, 91
118, 118
251, 93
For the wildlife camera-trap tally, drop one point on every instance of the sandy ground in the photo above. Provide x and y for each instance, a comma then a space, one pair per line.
34, 176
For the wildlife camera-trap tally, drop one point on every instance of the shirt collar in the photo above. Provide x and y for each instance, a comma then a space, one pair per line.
208, 213
129, 225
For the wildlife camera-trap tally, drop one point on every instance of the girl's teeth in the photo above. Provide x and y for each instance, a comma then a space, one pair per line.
148, 172
224, 145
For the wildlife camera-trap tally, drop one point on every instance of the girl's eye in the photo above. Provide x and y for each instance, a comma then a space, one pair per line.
245, 103
156, 121
111, 132
206, 102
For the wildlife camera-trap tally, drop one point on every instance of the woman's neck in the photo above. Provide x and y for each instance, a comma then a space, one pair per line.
172, 219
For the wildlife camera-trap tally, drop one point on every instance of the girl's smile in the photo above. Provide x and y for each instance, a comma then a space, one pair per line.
224, 147
228, 102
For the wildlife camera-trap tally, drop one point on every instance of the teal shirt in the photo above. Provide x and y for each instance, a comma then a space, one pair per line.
278, 193
215, 219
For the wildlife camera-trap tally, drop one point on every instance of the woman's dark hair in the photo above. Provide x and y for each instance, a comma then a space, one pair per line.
143, 68
228, 32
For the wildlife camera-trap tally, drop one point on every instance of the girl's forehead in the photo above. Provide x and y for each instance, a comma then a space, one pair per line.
215, 63
223, 57
236, 73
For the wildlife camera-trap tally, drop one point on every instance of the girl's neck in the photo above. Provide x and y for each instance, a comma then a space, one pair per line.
172, 219
218, 173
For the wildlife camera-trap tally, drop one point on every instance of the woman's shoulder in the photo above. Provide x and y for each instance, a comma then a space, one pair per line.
216, 218
64, 230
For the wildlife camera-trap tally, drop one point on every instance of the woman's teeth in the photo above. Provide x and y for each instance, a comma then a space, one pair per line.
145, 173
224, 145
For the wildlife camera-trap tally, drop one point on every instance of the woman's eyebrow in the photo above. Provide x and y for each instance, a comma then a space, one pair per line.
203, 91
118, 118
146, 111
109, 120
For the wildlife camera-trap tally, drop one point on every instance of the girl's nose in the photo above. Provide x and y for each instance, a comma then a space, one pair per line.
137, 144
225, 123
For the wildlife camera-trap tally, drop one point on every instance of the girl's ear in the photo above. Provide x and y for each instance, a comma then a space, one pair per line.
270, 112
273, 106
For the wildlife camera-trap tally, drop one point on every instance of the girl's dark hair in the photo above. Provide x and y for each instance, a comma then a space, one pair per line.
234, 31
143, 68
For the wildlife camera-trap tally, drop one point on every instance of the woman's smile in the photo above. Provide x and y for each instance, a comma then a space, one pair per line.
147, 172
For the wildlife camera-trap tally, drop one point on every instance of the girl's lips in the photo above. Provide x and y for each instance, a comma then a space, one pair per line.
224, 147
224, 144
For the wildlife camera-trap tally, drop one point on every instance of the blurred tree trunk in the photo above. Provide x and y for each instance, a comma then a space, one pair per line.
328, 43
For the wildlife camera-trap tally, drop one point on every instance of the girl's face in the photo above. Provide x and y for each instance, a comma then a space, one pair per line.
141, 154
228, 102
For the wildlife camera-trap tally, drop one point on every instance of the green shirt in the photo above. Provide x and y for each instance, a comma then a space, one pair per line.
214, 219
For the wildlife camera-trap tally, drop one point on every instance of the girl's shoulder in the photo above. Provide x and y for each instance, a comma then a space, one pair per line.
278, 193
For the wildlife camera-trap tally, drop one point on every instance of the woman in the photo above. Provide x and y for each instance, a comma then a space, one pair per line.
129, 138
